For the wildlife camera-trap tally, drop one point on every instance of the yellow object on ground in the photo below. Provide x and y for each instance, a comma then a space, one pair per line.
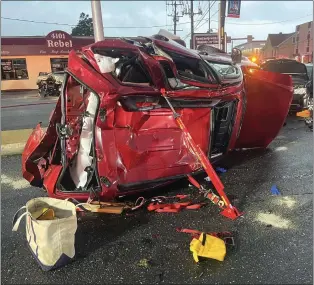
44, 214
208, 246
304, 114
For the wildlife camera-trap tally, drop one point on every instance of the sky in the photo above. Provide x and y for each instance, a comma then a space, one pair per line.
258, 18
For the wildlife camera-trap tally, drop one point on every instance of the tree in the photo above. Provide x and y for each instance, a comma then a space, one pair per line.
84, 26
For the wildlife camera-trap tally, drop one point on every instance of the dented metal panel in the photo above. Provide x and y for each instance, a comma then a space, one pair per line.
112, 132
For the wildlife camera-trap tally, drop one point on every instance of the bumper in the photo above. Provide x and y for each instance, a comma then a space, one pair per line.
298, 102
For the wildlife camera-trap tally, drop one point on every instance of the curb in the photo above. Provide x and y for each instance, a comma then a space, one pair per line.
12, 149
13, 141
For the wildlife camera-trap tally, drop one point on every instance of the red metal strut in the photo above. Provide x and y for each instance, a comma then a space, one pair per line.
229, 211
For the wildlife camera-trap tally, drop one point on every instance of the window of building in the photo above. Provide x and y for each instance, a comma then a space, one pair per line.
308, 49
14, 69
297, 38
296, 51
293, 40
58, 64
309, 25
298, 28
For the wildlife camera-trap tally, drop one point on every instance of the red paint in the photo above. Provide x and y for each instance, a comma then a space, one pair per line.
133, 148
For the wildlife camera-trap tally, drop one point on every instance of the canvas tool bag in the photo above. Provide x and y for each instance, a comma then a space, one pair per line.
50, 241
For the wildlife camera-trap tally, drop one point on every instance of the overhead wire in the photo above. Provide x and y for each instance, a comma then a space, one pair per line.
197, 26
154, 26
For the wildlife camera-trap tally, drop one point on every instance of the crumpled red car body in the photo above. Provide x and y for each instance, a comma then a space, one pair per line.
112, 133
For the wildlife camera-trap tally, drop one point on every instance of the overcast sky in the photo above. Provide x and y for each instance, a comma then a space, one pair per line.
256, 17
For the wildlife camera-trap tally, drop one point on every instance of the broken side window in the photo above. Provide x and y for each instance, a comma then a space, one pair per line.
192, 68
172, 80
128, 68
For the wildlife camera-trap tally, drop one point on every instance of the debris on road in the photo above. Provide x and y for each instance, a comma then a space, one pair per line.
144, 262
208, 246
159, 205
207, 179
274, 190
221, 170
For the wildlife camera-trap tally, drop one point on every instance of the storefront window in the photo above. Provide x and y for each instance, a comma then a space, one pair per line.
58, 64
14, 69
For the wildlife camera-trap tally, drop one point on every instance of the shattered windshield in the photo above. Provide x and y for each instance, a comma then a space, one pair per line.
225, 70
191, 68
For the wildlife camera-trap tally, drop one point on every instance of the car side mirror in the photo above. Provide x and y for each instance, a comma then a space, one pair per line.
236, 55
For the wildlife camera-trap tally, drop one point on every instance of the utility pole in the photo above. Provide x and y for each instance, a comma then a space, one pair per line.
192, 24
209, 17
97, 21
223, 19
192, 14
221, 25
175, 16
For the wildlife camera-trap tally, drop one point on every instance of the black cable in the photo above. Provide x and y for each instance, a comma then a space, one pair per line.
155, 26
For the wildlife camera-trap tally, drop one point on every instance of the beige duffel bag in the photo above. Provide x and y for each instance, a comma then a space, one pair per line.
51, 238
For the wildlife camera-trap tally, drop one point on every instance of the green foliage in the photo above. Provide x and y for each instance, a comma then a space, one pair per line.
84, 26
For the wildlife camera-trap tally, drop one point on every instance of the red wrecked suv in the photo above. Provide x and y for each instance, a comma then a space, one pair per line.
113, 133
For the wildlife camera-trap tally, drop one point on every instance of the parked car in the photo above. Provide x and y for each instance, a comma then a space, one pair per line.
309, 68
300, 78
113, 133
308, 116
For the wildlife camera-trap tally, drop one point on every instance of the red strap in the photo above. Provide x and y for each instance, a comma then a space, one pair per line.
181, 196
165, 210
188, 231
194, 182
194, 206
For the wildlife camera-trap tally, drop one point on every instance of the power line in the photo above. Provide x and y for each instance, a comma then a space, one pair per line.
155, 26
202, 24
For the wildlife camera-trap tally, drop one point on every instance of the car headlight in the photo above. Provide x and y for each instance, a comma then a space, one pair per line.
300, 90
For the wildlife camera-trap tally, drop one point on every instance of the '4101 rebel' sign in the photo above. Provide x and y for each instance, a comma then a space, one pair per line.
55, 43
59, 39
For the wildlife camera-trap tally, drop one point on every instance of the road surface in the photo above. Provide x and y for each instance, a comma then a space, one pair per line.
273, 240
24, 111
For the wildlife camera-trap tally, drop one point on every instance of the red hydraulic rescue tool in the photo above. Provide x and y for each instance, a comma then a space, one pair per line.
228, 210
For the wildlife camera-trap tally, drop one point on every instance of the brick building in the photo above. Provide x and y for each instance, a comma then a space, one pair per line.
297, 45
251, 48
303, 42
278, 46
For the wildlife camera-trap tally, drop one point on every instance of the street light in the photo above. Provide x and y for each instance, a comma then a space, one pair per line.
97, 21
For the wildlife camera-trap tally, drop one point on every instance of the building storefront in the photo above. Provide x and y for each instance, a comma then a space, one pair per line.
23, 58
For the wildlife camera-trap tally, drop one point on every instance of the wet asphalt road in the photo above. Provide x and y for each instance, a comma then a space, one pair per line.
273, 240
25, 110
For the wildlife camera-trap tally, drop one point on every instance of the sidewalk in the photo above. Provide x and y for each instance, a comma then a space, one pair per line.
13, 142
19, 94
